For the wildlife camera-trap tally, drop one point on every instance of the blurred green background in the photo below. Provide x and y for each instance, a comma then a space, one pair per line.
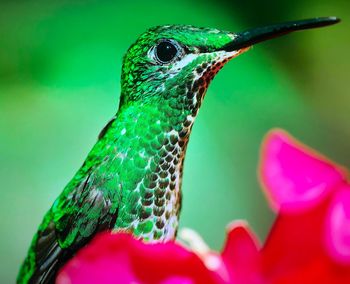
60, 66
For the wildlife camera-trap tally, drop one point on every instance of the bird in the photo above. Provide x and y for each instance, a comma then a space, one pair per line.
131, 179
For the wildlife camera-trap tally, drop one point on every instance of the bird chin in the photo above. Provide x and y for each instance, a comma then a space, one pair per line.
233, 54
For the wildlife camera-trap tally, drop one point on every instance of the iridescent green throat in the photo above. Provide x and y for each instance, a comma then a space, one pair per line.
147, 158
146, 149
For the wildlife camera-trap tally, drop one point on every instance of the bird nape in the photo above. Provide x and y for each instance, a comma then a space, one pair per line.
131, 179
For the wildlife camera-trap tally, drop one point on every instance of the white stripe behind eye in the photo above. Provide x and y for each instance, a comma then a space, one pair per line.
187, 59
184, 61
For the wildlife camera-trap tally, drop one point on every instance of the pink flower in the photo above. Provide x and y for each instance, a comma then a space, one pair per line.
119, 258
308, 243
310, 239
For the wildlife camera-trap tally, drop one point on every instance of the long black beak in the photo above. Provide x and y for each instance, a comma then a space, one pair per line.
253, 36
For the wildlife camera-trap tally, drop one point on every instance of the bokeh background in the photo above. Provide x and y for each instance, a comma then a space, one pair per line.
60, 66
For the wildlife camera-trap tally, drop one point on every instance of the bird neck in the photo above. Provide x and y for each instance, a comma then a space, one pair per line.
147, 142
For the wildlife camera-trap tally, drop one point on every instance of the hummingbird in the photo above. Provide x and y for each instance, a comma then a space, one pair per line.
131, 179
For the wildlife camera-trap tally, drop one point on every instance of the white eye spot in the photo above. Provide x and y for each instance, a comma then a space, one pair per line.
123, 131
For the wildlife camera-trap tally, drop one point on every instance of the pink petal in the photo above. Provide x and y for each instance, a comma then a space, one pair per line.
338, 227
295, 177
178, 280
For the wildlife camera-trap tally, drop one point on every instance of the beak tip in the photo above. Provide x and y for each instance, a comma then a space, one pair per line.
335, 19
329, 20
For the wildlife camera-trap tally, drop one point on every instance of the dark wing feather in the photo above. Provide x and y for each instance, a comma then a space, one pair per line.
88, 204
73, 220
106, 127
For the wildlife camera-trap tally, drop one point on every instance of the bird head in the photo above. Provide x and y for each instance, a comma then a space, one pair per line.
174, 64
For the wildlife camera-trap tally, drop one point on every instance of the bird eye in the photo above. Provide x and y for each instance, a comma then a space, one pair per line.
166, 51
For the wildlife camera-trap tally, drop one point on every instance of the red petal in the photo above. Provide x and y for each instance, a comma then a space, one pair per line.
295, 241
241, 255
119, 258
338, 227
295, 250
294, 176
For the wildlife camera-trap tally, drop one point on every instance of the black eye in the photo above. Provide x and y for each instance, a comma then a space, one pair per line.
166, 51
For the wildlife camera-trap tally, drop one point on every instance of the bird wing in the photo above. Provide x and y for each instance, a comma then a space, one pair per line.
91, 207
86, 206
